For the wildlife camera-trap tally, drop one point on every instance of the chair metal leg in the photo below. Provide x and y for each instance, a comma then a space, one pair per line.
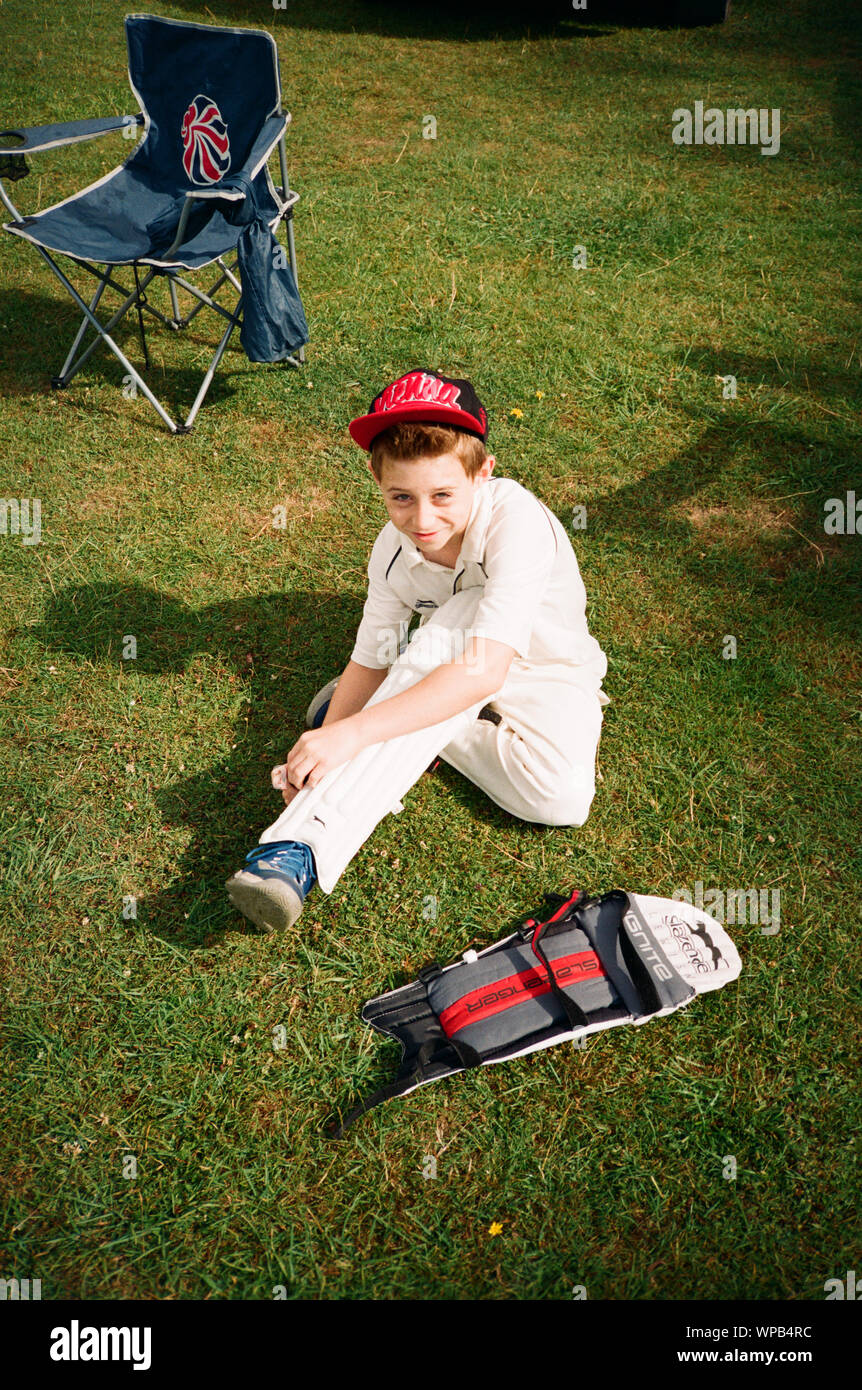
102, 332
67, 374
204, 297
174, 303
105, 336
291, 251
205, 384
229, 275
123, 289
202, 304
60, 379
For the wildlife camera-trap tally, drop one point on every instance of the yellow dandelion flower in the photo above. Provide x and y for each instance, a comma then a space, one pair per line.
540, 395
495, 1229
518, 414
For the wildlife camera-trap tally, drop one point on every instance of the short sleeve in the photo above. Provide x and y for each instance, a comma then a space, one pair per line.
385, 617
520, 552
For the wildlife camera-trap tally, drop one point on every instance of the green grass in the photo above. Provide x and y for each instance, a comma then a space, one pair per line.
153, 1036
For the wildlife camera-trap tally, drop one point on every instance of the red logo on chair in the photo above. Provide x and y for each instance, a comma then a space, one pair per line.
206, 148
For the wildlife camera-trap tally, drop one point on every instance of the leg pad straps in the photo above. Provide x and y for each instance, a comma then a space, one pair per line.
594, 963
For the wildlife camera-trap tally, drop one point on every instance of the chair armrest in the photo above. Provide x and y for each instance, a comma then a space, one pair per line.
233, 186
29, 139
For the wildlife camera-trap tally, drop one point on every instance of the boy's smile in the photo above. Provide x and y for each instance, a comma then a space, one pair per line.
430, 500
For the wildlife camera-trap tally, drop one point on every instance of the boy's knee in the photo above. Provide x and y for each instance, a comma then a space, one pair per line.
458, 609
570, 802
431, 645
565, 812
437, 641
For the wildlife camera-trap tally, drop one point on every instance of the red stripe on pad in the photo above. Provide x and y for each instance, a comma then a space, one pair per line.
483, 1003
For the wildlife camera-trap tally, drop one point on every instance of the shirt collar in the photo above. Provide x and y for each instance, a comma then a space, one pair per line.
476, 530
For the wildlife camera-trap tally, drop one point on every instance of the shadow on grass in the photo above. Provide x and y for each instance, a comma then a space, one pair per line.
847, 93
445, 20
39, 329
808, 375
227, 806
745, 468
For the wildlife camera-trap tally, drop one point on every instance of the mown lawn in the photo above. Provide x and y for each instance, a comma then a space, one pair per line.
152, 1036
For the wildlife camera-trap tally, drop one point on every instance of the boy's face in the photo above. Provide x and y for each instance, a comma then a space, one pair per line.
430, 499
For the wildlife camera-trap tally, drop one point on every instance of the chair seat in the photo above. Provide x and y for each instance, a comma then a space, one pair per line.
122, 219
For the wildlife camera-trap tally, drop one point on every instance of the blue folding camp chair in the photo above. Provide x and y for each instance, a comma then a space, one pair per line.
195, 190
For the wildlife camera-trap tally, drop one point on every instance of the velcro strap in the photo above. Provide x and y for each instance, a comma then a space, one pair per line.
509, 994
632, 957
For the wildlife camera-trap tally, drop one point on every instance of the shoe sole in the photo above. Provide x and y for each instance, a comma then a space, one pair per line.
270, 903
320, 699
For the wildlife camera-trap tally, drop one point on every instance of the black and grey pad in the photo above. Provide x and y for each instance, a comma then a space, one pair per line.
593, 963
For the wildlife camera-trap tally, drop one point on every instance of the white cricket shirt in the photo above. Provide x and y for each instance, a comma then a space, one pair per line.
518, 552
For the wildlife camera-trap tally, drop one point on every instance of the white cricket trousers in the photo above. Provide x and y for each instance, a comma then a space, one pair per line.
538, 763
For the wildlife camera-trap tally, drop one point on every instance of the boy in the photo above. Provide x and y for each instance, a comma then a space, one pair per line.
493, 574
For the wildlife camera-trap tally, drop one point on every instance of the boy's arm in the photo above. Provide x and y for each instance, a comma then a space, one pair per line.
447, 690
355, 687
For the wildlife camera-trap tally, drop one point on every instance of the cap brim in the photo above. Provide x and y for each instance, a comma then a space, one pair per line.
366, 428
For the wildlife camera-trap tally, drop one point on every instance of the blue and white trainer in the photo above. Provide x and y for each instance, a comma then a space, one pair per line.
271, 891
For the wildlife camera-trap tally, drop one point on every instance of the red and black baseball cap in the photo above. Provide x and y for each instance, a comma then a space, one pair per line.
422, 395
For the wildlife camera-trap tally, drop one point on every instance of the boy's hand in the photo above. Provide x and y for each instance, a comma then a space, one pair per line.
317, 752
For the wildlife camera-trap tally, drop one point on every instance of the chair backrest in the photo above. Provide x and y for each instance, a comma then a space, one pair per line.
207, 91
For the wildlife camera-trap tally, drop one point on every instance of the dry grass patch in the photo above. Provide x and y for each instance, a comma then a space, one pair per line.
104, 502
754, 518
769, 529
289, 511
